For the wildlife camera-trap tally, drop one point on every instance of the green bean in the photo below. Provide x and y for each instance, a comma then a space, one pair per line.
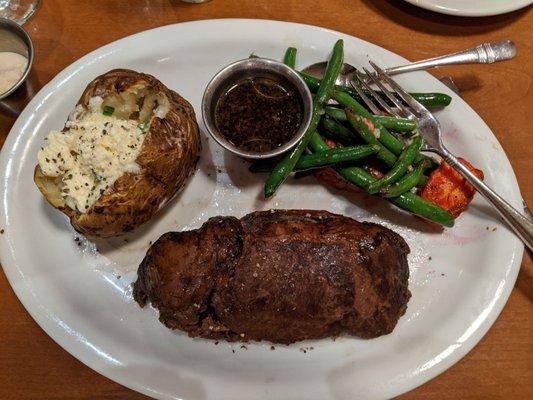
327, 157
432, 100
343, 96
423, 181
408, 201
408, 182
330, 75
336, 113
385, 137
290, 57
335, 156
429, 100
337, 130
396, 124
392, 143
286, 165
400, 167
370, 134
317, 144
417, 205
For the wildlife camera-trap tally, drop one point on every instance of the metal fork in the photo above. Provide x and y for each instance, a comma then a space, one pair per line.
430, 131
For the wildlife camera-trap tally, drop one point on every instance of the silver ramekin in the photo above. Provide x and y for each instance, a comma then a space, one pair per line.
250, 67
15, 39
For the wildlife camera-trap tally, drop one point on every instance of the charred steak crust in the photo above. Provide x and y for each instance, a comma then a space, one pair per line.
282, 276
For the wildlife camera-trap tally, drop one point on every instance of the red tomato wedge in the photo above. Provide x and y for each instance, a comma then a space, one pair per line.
449, 190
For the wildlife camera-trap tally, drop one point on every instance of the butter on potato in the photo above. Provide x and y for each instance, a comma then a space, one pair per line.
127, 148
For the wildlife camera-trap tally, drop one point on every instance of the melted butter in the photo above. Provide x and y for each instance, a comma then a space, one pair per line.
90, 155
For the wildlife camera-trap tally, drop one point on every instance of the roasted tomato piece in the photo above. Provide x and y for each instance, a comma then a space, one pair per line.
329, 177
448, 189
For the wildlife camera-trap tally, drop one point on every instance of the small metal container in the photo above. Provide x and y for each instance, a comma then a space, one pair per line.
254, 67
15, 39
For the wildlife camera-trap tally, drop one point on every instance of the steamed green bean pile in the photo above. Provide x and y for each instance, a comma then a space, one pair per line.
362, 140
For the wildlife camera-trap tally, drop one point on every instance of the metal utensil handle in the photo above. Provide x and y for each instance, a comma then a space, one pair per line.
485, 53
521, 225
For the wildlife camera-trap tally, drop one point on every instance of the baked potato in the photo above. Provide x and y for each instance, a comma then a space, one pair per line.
127, 148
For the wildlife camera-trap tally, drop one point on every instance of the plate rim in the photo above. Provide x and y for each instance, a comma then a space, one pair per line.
46, 323
429, 5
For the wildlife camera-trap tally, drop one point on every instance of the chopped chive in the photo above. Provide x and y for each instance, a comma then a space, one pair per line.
108, 110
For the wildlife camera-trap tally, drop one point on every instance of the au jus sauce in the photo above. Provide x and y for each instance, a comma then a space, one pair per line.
259, 114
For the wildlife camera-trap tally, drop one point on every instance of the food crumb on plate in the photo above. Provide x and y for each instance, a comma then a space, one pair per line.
2, 231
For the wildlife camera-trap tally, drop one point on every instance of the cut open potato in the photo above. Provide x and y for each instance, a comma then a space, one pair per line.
167, 155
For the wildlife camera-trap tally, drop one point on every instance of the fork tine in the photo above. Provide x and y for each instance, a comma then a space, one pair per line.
405, 111
386, 92
415, 105
370, 104
376, 96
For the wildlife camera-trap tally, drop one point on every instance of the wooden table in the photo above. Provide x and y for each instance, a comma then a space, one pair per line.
32, 366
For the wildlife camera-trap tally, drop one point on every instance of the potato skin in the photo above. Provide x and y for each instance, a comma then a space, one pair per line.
168, 157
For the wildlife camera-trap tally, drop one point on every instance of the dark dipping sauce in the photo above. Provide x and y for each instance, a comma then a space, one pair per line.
259, 114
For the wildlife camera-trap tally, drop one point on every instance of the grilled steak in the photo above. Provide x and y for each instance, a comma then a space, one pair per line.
281, 276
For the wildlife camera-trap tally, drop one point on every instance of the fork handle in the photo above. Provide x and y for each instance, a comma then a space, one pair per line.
521, 225
485, 53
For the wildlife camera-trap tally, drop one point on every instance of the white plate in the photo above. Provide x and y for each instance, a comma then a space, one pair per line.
471, 8
460, 279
